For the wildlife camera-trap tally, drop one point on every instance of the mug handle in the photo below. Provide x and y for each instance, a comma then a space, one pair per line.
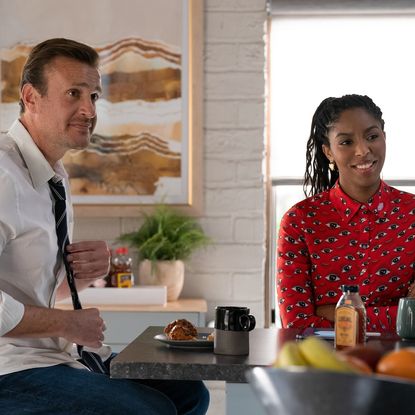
247, 321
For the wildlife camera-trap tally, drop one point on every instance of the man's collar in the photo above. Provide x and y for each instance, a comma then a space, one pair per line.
40, 170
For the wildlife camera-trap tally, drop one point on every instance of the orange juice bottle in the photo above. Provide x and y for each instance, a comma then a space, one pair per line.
349, 319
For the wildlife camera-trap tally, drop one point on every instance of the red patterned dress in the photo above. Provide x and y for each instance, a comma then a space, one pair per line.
330, 239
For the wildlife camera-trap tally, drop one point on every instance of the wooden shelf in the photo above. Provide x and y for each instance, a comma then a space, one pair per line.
198, 305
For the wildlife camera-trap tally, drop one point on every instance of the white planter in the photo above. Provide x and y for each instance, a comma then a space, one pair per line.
168, 273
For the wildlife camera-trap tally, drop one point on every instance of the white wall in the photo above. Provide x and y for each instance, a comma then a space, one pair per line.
231, 271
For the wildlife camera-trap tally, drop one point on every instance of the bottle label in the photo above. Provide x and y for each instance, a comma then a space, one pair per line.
347, 326
124, 280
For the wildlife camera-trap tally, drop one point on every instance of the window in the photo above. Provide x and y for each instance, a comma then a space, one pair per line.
320, 50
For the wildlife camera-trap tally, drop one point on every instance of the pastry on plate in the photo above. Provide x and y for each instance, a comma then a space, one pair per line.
181, 329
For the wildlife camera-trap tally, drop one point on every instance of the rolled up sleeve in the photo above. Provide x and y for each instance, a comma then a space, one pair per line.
11, 313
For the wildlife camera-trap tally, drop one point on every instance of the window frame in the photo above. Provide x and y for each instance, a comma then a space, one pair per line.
316, 8
326, 7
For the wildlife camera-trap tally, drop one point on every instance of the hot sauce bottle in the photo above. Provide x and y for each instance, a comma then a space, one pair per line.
349, 319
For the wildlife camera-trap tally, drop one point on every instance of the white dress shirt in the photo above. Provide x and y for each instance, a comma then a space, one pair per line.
30, 267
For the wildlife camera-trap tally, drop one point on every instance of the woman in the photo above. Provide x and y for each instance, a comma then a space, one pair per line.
353, 229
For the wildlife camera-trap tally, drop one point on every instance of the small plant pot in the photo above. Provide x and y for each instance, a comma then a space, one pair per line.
168, 273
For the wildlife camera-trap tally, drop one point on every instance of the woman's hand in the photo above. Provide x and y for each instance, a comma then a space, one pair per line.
326, 311
411, 290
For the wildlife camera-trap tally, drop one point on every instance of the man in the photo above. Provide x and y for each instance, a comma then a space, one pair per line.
59, 88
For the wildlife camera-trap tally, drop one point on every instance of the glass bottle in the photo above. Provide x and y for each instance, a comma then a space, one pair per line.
107, 279
349, 319
121, 269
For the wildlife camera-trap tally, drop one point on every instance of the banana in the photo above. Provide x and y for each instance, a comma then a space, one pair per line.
290, 355
320, 355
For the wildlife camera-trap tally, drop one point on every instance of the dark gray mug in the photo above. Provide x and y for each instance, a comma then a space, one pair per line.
405, 319
232, 327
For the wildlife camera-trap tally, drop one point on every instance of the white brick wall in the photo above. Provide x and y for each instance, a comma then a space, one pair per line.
233, 143
231, 271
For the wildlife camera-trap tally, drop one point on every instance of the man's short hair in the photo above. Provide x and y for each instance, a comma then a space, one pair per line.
43, 53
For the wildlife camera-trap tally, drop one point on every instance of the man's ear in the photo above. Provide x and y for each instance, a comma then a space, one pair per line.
327, 152
29, 96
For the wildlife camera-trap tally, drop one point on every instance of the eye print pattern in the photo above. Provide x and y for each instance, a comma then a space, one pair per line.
329, 240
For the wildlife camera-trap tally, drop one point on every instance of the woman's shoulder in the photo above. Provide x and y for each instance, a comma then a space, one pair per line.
398, 195
316, 203
320, 199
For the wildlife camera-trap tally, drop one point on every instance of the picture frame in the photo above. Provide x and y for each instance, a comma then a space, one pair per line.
183, 189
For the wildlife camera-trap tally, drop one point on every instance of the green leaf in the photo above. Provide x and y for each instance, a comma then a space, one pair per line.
166, 235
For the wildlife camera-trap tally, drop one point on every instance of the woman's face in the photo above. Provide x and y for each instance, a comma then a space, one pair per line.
357, 146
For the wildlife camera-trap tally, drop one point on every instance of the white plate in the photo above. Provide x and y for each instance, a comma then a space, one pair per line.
329, 334
200, 343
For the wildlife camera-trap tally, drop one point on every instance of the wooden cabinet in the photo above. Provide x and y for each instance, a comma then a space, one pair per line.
125, 322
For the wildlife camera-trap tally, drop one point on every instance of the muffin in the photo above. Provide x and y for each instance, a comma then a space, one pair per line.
181, 329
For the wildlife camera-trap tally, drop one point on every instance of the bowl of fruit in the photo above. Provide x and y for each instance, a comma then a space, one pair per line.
310, 378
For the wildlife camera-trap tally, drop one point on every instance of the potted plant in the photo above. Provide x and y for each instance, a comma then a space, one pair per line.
164, 240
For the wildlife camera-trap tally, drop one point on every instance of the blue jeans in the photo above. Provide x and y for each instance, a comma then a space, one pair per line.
62, 390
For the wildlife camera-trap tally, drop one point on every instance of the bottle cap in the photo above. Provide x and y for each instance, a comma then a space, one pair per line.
122, 250
350, 288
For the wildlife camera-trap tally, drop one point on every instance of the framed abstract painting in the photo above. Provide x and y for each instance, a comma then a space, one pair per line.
147, 146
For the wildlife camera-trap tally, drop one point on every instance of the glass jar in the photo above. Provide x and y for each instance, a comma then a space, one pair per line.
349, 319
121, 269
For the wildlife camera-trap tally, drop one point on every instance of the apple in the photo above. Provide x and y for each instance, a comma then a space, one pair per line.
358, 365
369, 354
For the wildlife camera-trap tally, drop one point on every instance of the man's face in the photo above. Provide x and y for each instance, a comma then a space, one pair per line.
66, 115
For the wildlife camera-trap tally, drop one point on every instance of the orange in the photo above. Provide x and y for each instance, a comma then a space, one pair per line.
399, 363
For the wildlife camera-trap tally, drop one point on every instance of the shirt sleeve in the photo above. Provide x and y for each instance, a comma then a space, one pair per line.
11, 310
381, 318
295, 297
11, 313
9, 212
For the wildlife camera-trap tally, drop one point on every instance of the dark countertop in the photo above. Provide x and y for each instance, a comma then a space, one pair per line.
147, 358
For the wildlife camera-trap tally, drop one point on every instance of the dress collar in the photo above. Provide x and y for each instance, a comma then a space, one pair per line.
348, 207
40, 170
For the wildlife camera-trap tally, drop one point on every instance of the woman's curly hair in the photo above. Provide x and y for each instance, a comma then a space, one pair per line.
318, 177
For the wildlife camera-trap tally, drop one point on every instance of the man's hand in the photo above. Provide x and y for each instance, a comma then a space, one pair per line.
89, 259
326, 311
85, 327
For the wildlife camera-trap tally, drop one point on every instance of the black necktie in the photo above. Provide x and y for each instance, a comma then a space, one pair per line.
92, 360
